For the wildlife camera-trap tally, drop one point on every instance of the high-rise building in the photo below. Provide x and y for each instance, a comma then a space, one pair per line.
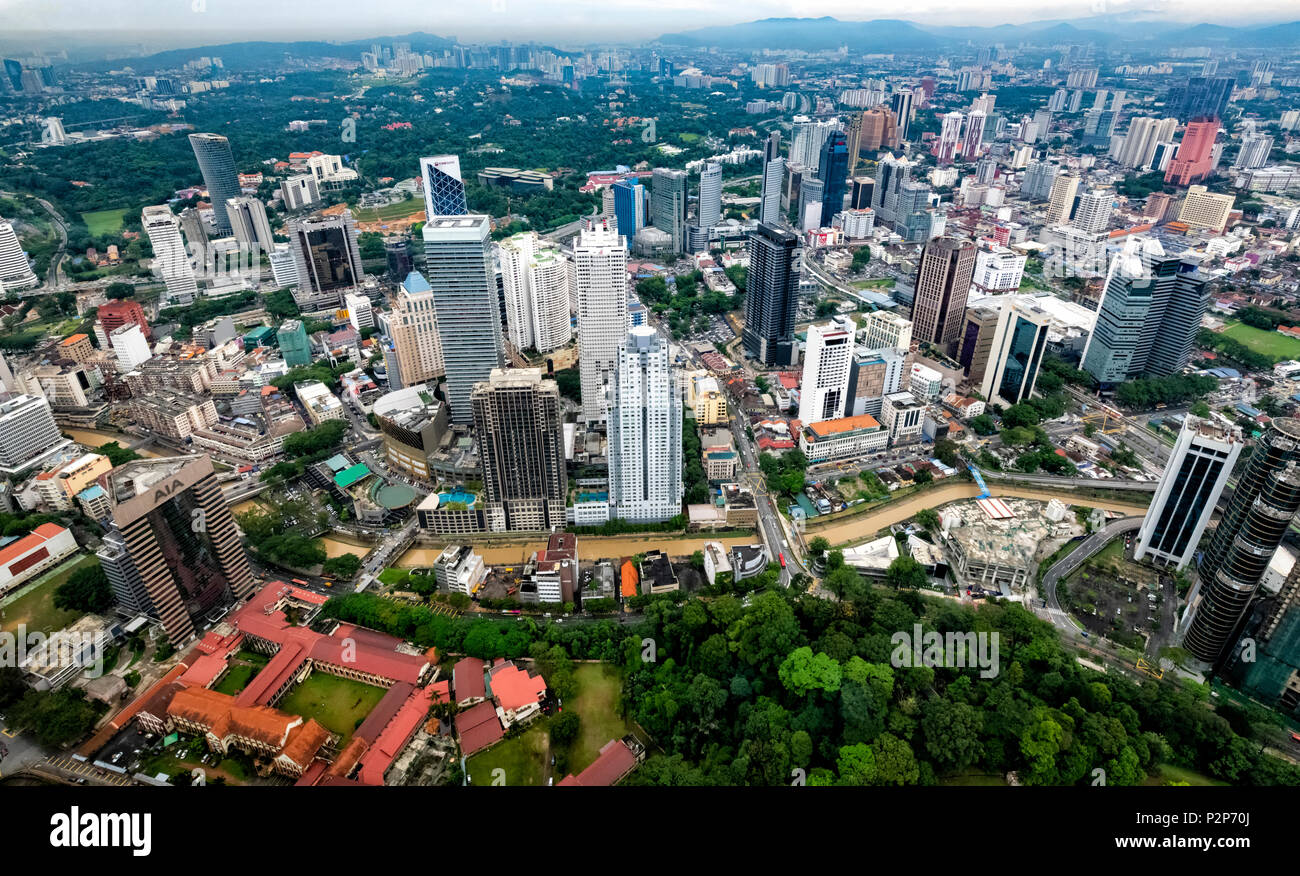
114, 314
878, 130
1142, 137
773, 170
948, 143
891, 174
15, 269
1195, 475
327, 257
901, 104
1204, 210
980, 324
1194, 160
772, 296
833, 171
810, 204
195, 233
129, 591
295, 348
28, 433
645, 431
397, 256
600, 277
458, 267
828, 360
1265, 499
444, 189
887, 329
1061, 199
537, 281
413, 328
942, 284
710, 212
171, 260
668, 202
1201, 96
1015, 353
182, 539
249, 223
973, 140
1038, 179
1093, 212
1255, 148
217, 164
809, 137
1148, 317
299, 191
860, 193
629, 207
1098, 125
519, 424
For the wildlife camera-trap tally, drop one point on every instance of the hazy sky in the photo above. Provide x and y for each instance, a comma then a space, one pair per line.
571, 21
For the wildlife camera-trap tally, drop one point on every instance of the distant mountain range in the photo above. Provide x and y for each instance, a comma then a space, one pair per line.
891, 35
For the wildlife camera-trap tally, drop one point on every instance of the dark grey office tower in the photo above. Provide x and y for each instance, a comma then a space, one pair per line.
128, 587
397, 251
863, 188
1266, 498
217, 164
901, 104
668, 204
772, 296
1201, 96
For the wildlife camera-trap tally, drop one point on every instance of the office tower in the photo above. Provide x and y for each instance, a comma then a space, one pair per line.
1266, 498
949, 141
833, 171
773, 171
891, 173
1093, 212
668, 202
299, 192
1201, 96
196, 235
519, 424
901, 104
458, 267
114, 314
874, 375
942, 283
28, 433
327, 258
397, 256
413, 328
361, 311
710, 211
828, 359
772, 296
600, 275
887, 329
986, 170
645, 430
537, 281
973, 141
1076, 100
1098, 125
810, 204
1194, 160
809, 138
171, 261
1061, 200
1195, 475
629, 207
249, 223
1255, 148
1015, 353
879, 130
1204, 210
1038, 180
181, 538
295, 348
217, 164
15, 270
284, 270
129, 591
1148, 317
1144, 134
860, 194
980, 325
853, 141
444, 190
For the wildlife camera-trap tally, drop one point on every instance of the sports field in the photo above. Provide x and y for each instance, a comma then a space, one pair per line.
340, 704
1266, 343
104, 221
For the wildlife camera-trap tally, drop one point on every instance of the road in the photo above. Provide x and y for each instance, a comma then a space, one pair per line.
1088, 549
1070, 482
53, 275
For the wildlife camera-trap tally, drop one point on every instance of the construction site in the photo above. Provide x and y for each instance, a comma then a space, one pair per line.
994, 545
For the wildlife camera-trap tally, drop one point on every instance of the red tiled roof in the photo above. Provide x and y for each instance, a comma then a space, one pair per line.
29, 542
514, 688
478, 727
616, 761
380, 756
467, 678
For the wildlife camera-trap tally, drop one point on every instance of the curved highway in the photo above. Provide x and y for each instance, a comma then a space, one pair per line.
1090, 547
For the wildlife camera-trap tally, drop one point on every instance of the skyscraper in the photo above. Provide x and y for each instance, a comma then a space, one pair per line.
28, 433
901, 103
458, 267
171, 261
1194, 160
537, 281
1195, 475
182, 539
1061, 199
1093, 212
710, 213
828, 360
413, 327
600, 275
629, 207
1267, 496
1255, 148
833, 171
1142, 137
295, 346
949, 140
327, 257
1038, 179
217, 164
668, 203
891, 173
645, 431
519, 425
249, 223
1016, 352
942, 283
1201, 96
811, 204
1148, 317
973, 141
444, 190
773, 170
772, 296
15, 270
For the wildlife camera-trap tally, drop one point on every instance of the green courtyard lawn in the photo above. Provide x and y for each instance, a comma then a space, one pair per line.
1266, 343
523, 758
104, 221
877, 283
236, 679
35, 607
340, 704
596, 703
398, 210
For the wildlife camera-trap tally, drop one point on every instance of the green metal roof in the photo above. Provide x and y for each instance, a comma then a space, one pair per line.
350, 476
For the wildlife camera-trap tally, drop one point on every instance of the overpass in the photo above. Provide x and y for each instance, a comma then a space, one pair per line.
1091, 546
1071, 483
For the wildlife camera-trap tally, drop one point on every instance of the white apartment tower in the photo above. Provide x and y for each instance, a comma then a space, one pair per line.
171, 262
886, 329
15, 270
645, 430
537, 281
600, 276
828, 360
